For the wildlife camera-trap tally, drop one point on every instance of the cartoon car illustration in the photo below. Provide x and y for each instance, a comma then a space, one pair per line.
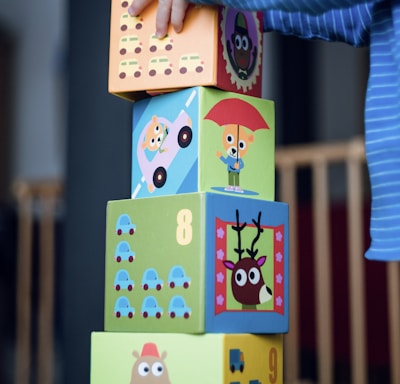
236, 360
154, 169
150, 308
128, 22
178, 278
123, 308
160, 65
128, 68
123, 252
130, 43
177, 308
150, 280
125, 225
190, 63
156, 44
123, 281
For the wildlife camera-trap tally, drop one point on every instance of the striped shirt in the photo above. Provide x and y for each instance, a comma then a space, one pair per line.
359, 23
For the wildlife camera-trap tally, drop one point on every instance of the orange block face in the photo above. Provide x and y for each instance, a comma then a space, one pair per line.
218, 47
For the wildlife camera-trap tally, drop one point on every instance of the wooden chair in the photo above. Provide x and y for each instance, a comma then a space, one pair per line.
318, 157
35, 199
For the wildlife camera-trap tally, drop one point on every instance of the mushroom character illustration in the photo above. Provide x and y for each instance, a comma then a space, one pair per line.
243, 53
237, 117
149, 366
247, 282
241, 39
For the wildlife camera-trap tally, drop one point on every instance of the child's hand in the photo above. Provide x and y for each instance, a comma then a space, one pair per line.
168, 12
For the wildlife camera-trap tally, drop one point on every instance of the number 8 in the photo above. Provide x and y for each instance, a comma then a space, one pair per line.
184, 228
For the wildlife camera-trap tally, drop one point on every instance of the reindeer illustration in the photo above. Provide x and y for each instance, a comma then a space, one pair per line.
247, 282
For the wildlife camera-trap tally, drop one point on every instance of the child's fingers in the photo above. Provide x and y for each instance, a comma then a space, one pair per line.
163, 17
137, 6
168, 11
178, 12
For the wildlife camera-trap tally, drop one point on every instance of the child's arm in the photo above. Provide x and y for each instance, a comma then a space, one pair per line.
347, 21
281, 15
350, 25
312, 7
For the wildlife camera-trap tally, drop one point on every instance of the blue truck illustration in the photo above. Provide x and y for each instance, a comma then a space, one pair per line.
236, 360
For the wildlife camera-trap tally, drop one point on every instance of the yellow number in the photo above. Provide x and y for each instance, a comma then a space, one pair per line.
184, 228
273, 365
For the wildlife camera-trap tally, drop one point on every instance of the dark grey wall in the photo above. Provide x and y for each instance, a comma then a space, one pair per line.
98, 170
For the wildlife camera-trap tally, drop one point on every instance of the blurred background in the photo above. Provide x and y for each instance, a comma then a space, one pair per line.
58, 124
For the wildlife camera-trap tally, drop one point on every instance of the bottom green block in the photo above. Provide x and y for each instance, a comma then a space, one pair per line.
181, 358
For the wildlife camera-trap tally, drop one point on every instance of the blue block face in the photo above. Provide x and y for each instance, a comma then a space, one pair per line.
247, 265
203, 140
197, 263
165, 144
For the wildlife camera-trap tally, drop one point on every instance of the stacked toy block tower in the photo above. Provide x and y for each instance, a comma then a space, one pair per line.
196, 287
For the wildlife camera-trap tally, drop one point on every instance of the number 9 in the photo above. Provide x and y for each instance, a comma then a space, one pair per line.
273, 365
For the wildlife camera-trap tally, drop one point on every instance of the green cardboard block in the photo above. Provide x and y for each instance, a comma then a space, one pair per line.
177, 358
197, 263
203, 140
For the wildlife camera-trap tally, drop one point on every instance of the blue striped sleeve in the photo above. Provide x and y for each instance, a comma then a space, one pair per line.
350, 25
347, 21
309, 6
382, 134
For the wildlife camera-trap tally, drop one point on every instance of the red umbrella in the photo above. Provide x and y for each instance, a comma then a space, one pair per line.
236, 111
239, 112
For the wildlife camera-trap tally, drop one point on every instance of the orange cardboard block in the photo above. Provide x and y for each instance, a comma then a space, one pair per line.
219, 47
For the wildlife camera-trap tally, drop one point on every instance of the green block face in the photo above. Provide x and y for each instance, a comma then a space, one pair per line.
177, 358
203, 140
197, 263
156, 267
